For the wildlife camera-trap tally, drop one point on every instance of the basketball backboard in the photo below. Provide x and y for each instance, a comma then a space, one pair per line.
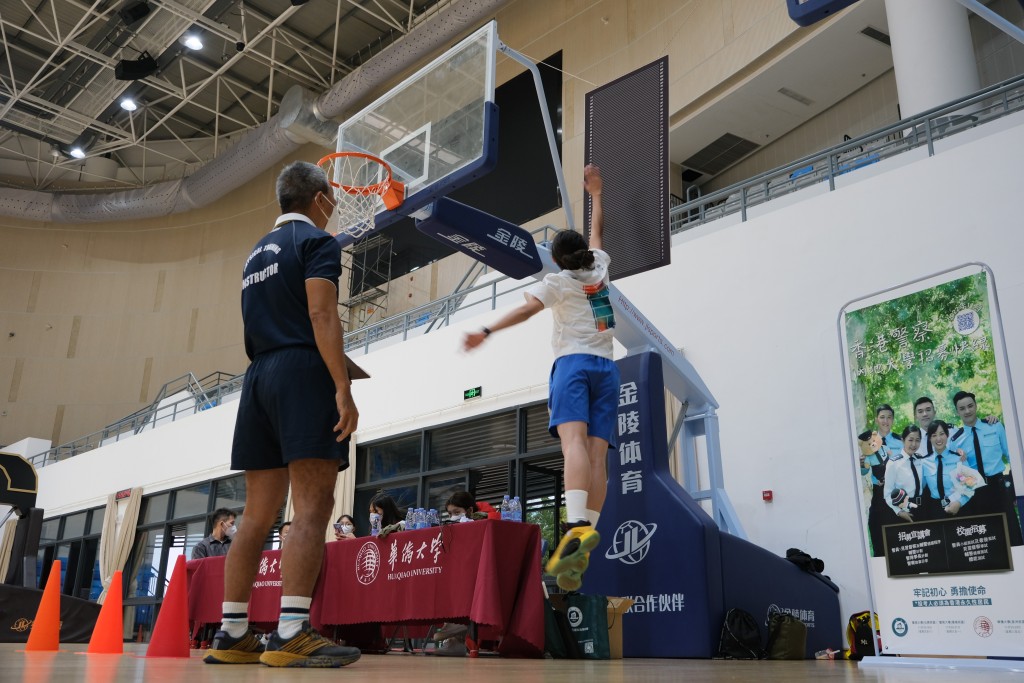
437, 129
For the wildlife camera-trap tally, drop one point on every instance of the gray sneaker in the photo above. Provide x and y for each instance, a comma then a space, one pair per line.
307, 649
449, 630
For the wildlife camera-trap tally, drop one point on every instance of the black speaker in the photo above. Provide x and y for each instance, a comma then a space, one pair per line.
135, 69
133, 11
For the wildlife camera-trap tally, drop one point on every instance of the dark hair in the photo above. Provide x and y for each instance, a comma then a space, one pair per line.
923, 399
348, 517
910, 429
961, 395
570, 251
221, 514
934, 427
298, 184
390, 514
884, 406
462, 499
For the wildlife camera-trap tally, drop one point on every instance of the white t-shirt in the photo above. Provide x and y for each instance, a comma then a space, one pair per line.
580, 303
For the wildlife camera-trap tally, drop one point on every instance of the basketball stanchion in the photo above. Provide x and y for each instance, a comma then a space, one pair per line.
45, 633
108, 634
170, 633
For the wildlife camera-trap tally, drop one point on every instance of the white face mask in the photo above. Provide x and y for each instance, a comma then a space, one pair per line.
374, 516
457, 518
230, 531
346, 528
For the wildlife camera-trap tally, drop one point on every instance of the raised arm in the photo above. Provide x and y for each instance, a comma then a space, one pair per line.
594, 184
532, 307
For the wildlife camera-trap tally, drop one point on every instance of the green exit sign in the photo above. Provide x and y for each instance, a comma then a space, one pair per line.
475, 392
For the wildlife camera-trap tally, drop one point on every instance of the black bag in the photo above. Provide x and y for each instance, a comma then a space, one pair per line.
787, 637
741, 637
559, 640
805, 561
862, 634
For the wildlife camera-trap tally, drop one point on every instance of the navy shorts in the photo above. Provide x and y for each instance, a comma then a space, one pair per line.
287, 412
585, 388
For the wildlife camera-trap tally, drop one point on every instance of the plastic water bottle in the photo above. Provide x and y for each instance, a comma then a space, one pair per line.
374, 524
410, 518
421, 518
506, 509
432, 518
516, 510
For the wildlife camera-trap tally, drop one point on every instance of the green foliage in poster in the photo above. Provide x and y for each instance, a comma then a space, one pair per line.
932, 343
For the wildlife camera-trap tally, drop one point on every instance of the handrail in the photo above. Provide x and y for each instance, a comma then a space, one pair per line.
934, 124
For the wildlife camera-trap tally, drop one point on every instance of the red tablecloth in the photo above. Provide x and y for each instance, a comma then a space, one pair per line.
487, 572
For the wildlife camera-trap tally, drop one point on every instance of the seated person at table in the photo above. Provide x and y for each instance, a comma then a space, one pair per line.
461, 508
344, 528
219, 541
384, 510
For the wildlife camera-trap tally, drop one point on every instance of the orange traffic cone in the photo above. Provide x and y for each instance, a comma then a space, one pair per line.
44, 635
108, 634
170, 634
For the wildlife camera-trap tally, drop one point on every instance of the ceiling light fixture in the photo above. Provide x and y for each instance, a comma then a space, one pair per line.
128, 104
192, 42
77, 153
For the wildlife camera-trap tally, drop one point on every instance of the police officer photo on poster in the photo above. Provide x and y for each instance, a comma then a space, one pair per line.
934, 450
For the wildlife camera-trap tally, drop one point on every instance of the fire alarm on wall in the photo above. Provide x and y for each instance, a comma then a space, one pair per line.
766, 496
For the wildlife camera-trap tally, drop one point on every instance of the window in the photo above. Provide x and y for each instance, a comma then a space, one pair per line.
48, 533
96, 525
537, 434
479, 439
145, 570
74, 525
390, 458
192, 501
155, 508
230, 493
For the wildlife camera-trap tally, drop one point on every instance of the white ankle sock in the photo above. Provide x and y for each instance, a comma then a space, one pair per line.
576, 505
294, 611
593, 516
235, 621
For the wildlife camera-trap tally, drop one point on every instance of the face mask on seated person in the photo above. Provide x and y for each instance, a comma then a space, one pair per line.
346, 528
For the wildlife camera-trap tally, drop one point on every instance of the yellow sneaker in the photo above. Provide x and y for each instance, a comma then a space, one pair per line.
228, 650
307, 649
573, 551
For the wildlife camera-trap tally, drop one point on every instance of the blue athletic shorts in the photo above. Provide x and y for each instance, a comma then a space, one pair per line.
585, 388
287, 412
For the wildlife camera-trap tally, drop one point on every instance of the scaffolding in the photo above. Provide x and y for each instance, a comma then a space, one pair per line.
369, 264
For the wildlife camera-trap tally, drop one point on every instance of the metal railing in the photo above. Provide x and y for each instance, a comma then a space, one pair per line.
922, 130
204, 394
918, 131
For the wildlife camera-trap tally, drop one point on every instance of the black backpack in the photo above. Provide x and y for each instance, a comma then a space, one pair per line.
741, 637
862, 635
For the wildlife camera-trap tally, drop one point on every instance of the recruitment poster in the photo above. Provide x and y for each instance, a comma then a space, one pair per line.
935, 451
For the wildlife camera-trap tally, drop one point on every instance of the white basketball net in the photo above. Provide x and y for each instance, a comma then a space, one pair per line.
358, 183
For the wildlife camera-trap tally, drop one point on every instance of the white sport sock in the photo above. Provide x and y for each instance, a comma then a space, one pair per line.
576, 505
294, 611
235, 621
593, 516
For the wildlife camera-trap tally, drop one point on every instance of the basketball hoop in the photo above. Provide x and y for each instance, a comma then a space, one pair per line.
361, 182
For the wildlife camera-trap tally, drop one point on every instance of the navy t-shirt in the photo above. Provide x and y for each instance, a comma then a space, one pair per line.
275, 310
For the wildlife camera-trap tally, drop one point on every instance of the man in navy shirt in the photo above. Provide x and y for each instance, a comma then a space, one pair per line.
294, 419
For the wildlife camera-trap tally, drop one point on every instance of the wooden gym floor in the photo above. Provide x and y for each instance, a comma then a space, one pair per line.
17, 666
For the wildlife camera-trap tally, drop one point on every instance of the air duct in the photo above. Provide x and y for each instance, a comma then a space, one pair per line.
302, 118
